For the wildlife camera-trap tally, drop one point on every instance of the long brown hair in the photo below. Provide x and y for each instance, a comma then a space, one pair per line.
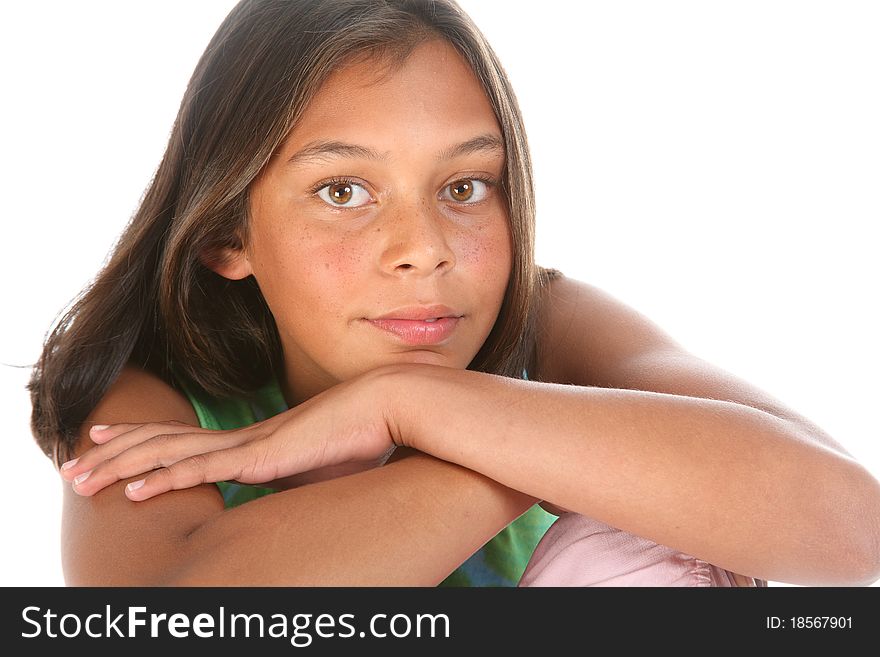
156, 305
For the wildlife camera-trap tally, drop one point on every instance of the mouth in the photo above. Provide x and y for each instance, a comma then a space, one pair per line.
423, 313
419, 325
431, 331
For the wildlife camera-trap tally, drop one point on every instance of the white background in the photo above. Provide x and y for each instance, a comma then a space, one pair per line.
715, 165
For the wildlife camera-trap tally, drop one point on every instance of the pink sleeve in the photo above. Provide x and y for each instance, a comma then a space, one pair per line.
580, 551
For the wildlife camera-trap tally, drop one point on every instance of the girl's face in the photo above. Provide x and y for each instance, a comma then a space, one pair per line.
384, 202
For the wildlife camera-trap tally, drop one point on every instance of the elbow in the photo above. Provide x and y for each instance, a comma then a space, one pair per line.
858, 524
838, 543
863, 570
861, 565
869, 534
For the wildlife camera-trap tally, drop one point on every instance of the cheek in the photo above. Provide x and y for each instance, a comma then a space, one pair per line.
488, 252
303, 277
302, 270
338, 266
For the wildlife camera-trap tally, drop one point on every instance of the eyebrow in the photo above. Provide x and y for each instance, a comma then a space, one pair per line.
326, 149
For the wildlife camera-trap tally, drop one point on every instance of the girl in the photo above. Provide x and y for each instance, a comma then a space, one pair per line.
329, 294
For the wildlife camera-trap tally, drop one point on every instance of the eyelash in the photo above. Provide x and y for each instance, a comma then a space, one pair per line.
334, 181
313, 191
490, 183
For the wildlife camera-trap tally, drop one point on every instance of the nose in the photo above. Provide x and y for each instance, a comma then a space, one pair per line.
418, 241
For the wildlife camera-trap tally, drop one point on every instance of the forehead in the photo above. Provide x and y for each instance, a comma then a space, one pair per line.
432, 92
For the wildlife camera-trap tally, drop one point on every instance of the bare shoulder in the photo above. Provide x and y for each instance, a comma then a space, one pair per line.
585, 335
588, 337
141, 396
108, 539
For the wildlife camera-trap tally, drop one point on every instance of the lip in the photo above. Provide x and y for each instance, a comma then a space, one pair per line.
409, 324
417, 331
420, 313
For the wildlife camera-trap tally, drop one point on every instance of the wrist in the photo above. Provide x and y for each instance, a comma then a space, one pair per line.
423, 405
395, 392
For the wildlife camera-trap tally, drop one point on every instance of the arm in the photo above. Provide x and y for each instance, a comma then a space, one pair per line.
409, 523
670, 448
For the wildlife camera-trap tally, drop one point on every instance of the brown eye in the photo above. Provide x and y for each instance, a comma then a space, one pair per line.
462, 190
467, 191
340, 193
344, 194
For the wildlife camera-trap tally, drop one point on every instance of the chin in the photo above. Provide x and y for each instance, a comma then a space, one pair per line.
427, 358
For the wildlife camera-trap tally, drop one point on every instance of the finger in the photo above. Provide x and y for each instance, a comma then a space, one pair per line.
157, 452
220, 465
102, 433
126, 436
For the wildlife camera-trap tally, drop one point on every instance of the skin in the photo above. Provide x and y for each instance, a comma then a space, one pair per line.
406, 241
645, 436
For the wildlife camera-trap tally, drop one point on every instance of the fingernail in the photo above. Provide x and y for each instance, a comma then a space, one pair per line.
81, 478
69, 464
133, 486
99, 427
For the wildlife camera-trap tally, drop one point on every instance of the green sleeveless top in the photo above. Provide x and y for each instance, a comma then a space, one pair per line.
500, 562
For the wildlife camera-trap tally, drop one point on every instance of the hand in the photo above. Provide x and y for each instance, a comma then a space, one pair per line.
347, 428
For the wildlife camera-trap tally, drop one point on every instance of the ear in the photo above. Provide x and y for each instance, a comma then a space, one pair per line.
228, 262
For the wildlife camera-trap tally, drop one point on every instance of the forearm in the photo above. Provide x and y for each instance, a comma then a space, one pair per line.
409, 523
730, 484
